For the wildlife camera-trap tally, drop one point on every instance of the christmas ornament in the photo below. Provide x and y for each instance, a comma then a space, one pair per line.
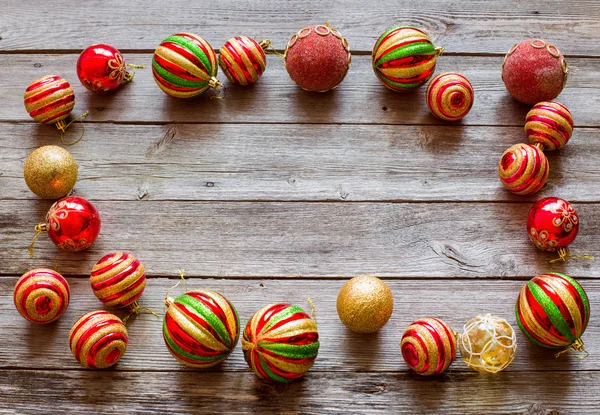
118, 280
450, 96
243, 60
98, 340
41, 295
101, 68
317, 58
201, 328
523, 169
280, 342
549, 124
404, 58
428, 346
553, 311
72, 223
365, 304
50, 172
185, 65
487, 344
534, 71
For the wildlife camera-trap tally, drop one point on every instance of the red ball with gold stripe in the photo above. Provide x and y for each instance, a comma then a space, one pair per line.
118, 280
549, 124
243, 60
98, 340
450, 96
41, 295
428, 346
523, 169
50, 100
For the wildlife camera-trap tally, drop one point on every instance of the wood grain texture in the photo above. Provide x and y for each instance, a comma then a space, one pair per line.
294, 163
360, 99
468, 27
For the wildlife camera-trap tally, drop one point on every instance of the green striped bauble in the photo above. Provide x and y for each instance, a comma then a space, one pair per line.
201, 328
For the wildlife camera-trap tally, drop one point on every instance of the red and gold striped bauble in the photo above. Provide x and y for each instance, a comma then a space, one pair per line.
50, 100
549, 124
98, 340
243, 60
118, 280
523, 169
280, 342
450, 96
41, 295
553, 311
201, 328
428, 346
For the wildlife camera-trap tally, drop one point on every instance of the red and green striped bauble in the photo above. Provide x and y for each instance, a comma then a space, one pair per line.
185, 65
118, 280
404, 58
553, 311
201, 328
428, 346
98, 340
41, 295
280, 342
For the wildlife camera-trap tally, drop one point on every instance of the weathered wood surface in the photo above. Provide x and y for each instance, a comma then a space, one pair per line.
361, 98
466, 27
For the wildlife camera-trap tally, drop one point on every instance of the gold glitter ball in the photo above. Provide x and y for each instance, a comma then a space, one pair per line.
50, 172
365, 304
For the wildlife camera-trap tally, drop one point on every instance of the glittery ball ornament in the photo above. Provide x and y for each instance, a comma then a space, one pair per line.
523, 169
185, 65
41, 295
553, 311
534, 71
201, 328
280, 342
428, 346
317, 58
404, 58
365, 304
487, 344
552, 224
118, 280
50, 100
50, 172
450, 96
72, 223
243, 60
101, 68
98, 340
549, 124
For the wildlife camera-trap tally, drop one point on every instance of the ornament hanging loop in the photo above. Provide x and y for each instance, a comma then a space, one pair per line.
576, 347
39, 228
169, 300
564, 255
269, 49
134, 308
439, 51
62, 126
128, 77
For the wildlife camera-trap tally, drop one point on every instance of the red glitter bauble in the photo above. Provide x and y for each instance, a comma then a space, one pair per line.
317, 58
552, 224
101, 68
534, 71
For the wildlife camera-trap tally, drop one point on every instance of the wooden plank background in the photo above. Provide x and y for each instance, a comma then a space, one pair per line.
274, 194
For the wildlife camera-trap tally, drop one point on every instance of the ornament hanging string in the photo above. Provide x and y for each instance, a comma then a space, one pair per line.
169, 300
576, 347
63, 128
134, 308
268, 48
128, 75
564, 255
313, 313
39, 228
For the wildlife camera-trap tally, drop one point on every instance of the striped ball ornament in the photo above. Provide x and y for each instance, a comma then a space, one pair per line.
280, 342
553, 311
118, 280
450, 96
404, 58
549, 124
41, 295
243, 60
184, 66
49, 100
428, 346
98, 340
523, 169
201, 328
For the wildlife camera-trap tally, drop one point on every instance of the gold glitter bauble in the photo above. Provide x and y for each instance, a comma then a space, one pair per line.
50, 172
365, 304
487, 344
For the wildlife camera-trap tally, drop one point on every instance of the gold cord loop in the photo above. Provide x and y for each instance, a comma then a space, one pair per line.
564, 255
134, 308
63, 127
128, 75
439, 51
169, 300
313, 314
39, 228
576, 347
